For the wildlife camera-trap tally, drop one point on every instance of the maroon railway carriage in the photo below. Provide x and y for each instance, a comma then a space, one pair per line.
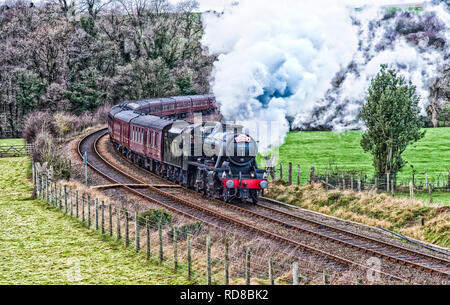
147, 135
173, 107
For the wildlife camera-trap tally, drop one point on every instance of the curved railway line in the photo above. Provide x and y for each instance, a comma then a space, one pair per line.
394, 253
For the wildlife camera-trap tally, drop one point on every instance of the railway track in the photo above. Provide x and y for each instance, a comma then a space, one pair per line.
293, 222
433, 264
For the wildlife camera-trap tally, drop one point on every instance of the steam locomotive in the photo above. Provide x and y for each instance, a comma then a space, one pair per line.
215, 159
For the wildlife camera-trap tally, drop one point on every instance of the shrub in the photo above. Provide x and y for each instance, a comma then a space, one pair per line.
101, 114
84, 121
192, 229
37, 122
45, 150
66, 123
155, 216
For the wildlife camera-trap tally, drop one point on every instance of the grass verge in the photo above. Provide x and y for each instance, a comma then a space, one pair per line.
396, 214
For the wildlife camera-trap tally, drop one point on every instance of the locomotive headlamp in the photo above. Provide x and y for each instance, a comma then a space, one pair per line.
264, 184
230, 184
265, 176
252, 174
224, 175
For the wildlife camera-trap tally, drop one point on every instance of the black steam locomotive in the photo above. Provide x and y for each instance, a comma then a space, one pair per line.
215, 159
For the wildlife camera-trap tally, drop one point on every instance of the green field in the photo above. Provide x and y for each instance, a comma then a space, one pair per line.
325, 150
342, 150
12, 142
39, 245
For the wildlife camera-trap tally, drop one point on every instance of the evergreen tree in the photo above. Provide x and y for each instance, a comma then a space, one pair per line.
392, 118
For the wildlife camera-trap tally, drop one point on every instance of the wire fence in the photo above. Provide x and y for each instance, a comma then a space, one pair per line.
16, 150
205, 257
359, 181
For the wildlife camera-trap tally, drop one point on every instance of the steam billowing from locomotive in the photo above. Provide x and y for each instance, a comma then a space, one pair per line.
311, 61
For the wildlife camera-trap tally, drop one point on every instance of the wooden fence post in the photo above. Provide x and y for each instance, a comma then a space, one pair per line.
392, 188
55, 194
43, 186
189, 258
325, 277
175, 248
295, 273
65, 199
299, 174
208, 260
161, 250
247, 266
359, 183
426, 180
137, 233
39, 185
311, 175
281, 171
127, 230
430, 188
77, 202
96, 213
110, 220
147, 229
271, 281
71, 203
89, 210
411, 190
102, 208
118, 224
47, 195
351, 182
33, 172
326, 179
227, 264
82, 207
290, 173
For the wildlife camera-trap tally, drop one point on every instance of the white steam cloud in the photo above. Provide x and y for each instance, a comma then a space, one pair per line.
279, 59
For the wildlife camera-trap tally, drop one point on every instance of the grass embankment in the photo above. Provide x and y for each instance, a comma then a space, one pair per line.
343, 151
39, 245
396, 214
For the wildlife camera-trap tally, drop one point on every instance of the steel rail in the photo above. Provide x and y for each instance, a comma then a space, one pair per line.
387, 245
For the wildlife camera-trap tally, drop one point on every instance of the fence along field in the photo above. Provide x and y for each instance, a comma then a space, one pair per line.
15, 150
340, 154
207, 259
334, 179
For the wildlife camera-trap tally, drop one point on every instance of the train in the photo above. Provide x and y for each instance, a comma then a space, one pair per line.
215, 159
